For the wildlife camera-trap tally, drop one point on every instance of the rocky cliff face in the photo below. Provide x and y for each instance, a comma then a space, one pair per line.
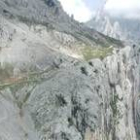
56, 85
78, 101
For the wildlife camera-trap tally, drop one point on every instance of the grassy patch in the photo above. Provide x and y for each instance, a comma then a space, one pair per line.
17, 83
6, 71
91, 53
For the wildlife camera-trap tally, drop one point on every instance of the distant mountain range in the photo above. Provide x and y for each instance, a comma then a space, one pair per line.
117, 27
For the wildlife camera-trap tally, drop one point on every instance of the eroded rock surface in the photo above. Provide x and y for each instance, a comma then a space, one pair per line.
48, 91
68, 103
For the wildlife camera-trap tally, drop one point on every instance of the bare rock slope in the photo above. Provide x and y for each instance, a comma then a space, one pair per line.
60, 80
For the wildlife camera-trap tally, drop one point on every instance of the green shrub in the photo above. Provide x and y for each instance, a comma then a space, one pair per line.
114, 107
84, 71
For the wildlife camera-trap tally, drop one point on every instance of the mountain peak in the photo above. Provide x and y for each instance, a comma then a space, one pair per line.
120, 28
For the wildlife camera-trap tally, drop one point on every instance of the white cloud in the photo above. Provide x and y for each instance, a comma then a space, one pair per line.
127, 8
77, 8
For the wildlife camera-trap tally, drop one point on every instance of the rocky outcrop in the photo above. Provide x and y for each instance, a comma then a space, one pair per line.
49, 91
84, 101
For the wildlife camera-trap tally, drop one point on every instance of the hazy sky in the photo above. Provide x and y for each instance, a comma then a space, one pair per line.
126, 8
83, 10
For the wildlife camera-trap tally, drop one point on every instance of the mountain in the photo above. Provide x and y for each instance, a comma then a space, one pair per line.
51, 14
60, 80
126, 29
